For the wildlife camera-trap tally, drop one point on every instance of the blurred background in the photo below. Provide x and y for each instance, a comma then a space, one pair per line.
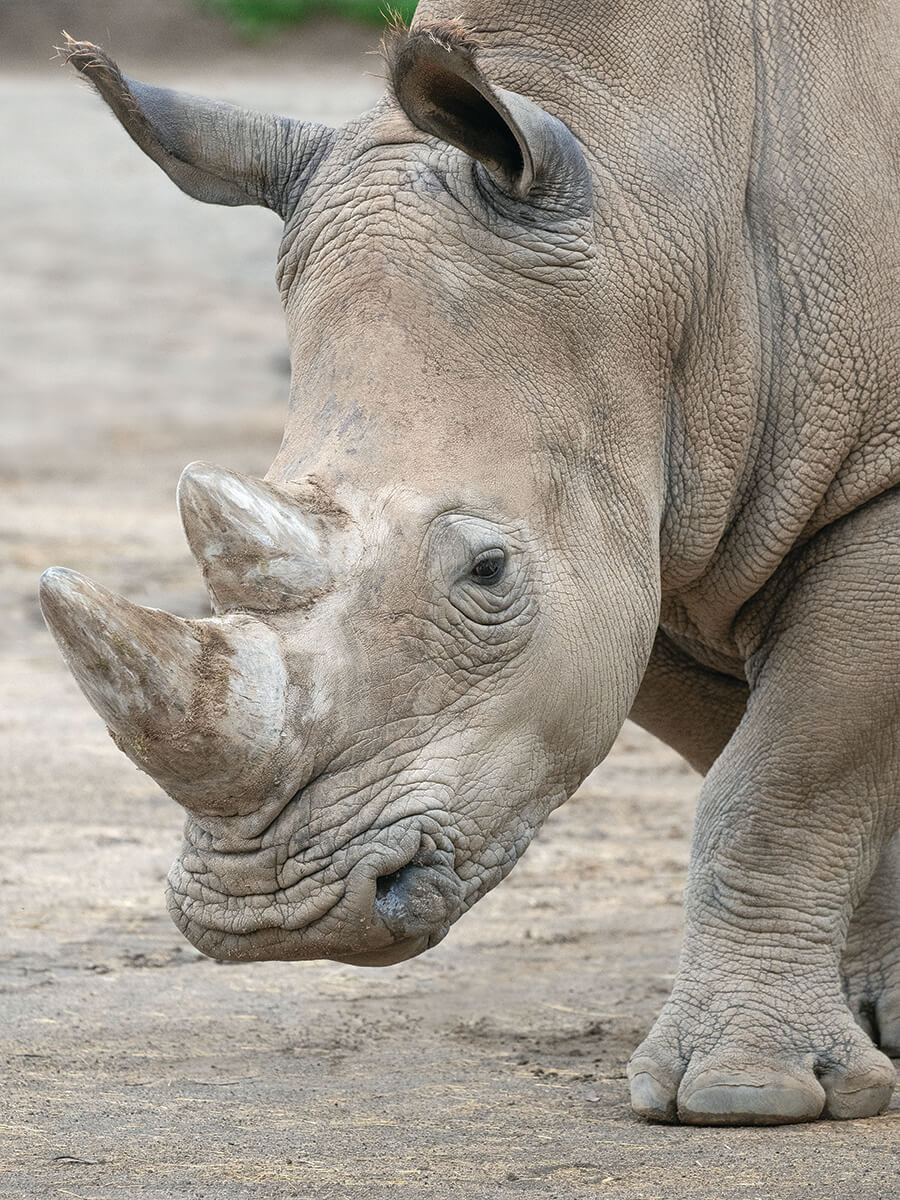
173, 25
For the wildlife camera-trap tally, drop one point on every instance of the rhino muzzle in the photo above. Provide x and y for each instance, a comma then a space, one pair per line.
206, 708
389, 904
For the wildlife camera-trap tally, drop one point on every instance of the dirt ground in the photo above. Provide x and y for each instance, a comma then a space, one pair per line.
138, 331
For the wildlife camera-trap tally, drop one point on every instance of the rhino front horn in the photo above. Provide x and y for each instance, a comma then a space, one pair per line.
198, 705
256, 547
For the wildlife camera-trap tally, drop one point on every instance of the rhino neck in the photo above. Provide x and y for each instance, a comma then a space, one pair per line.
786, 378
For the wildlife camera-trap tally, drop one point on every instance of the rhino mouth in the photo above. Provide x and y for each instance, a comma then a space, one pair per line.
392, 905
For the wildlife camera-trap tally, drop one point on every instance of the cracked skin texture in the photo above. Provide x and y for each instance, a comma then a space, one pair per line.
705, 417
752, 149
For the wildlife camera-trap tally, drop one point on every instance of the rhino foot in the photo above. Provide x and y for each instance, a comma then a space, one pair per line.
873, 993
872, 986
871, 962
713, 1061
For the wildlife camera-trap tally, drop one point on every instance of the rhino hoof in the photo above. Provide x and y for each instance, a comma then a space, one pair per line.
735, 1086
718, 1097
652, 1094
863, 1094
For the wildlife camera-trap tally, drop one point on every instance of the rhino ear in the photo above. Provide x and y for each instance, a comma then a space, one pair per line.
527, 152
215, 152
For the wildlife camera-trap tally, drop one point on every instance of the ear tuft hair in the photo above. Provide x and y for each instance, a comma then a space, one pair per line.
84, 56
451, 36
91, 61
214, 152
99, 69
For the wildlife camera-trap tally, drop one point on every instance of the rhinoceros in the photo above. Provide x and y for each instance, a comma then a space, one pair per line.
595, 412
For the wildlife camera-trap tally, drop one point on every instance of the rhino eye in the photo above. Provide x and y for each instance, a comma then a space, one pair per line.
489, 567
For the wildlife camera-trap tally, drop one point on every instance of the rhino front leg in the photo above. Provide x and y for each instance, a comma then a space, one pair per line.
689, 707
871, 962
792, 820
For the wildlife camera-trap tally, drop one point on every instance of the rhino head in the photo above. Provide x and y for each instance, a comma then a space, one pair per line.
432, 616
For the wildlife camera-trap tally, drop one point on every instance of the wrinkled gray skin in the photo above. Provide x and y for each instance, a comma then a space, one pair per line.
588, 416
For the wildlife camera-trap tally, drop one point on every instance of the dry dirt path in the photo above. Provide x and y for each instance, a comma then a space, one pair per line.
138, 331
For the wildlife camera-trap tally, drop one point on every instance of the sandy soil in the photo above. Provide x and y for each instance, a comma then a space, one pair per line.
139, 331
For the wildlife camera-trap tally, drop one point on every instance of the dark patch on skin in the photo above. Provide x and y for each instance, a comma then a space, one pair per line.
318, 498
210, 695
287, 599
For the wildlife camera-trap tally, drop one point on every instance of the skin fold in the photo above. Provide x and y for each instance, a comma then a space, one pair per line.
595, 340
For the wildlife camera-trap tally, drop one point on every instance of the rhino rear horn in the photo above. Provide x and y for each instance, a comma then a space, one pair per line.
526, 152
198, 705
257, 549
215, 152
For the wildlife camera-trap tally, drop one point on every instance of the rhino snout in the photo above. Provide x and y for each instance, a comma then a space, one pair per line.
392, 903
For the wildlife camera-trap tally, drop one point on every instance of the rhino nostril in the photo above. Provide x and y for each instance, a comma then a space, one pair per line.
384, 883
414, 899
392, 892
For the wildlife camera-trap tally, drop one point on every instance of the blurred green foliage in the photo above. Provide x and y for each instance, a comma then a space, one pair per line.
256, 17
